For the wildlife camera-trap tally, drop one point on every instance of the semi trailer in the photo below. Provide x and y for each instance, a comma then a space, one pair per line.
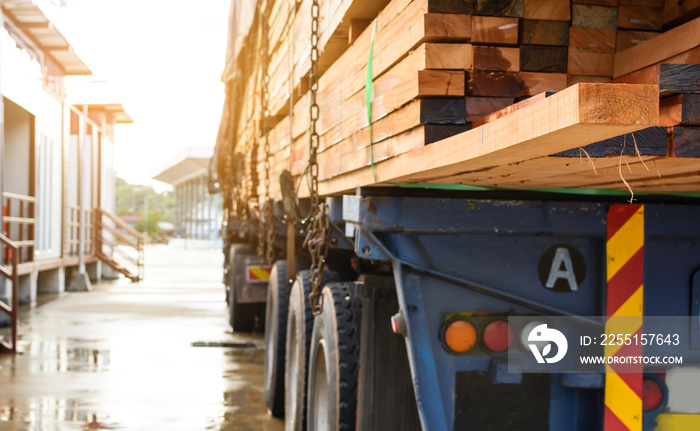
434, 238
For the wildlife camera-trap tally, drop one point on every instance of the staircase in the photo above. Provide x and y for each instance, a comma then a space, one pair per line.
119, 245
10, 272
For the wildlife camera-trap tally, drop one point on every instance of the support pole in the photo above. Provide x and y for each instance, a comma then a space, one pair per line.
80, 282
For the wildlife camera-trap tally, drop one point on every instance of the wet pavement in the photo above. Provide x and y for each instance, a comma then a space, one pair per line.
142, 356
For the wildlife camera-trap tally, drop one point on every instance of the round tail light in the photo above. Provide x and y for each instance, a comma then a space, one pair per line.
652, 395
460, 336
498, 336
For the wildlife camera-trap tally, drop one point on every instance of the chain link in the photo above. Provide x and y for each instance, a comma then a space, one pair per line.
319, 227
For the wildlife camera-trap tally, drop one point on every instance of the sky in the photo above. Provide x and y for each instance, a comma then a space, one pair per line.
162, 60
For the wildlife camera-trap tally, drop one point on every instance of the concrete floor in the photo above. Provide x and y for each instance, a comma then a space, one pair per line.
122, 356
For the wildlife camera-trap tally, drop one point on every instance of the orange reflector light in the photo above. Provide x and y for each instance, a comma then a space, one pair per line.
652, 396
498, 336
460, 336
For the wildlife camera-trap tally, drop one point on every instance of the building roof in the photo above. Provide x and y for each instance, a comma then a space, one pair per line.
190, 162
116, 110
29, 19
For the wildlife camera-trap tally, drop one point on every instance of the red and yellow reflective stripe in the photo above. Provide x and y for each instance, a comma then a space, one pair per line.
624, 311
258, 273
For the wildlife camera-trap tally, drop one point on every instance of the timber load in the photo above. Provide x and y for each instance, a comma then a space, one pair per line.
515, 94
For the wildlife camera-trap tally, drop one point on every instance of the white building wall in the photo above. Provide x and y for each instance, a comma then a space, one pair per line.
86, 168
22, 83
49, 179
15, 169
108, 176
21, 74
72, 176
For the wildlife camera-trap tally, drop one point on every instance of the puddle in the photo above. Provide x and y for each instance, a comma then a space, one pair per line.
122, 357
228, 345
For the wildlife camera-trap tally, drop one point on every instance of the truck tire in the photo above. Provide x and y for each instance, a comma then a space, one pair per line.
333, 361
300, 321
243, 316
277, 307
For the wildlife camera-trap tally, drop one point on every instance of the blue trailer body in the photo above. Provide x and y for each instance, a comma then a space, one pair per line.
460, 255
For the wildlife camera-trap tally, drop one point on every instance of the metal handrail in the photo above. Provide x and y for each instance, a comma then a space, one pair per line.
122, 224
20, 222
119, 235
11, 310
16, 196
125, 235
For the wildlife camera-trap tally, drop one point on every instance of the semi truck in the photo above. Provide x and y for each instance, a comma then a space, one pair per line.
413, 299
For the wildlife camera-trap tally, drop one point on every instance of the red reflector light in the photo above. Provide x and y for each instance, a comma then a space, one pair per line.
652, 395
498, 336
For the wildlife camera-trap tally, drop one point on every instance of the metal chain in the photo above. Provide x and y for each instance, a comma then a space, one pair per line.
266, 232
319, 227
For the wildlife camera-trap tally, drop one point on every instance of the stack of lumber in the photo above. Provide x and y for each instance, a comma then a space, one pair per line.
511, 93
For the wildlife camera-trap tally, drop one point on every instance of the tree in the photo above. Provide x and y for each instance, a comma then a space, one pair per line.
132, 198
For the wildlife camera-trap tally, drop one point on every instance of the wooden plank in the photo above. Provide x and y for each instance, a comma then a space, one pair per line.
440, 83
575, 79
671, 78
543, 172
509, 8
401, 26
684, 141
651, 3
391, 90
651, 141
480, 107
335, 18
563, 172
540, 32
658, 49
357, 26
590, 16
597, 2
445, 55
489, 83
680, 11
692, 56
535, 82
639, 17
681, 109
629, 38
409, 79
574, 117
592, 40
354, 152
658, 169
590, 63
496, 58
341, 118
386, 106
507, 110
534, 58
453, 6
442, 110
494, 30
555, 10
